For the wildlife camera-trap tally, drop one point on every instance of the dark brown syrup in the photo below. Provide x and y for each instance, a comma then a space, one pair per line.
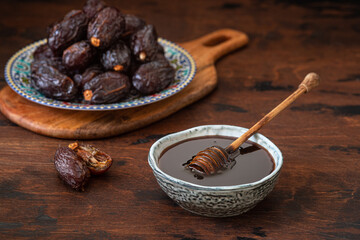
252, 164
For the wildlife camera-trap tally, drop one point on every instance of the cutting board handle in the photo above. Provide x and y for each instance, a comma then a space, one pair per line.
216, 44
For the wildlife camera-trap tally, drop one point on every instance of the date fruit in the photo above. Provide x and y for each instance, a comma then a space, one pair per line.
87, 75
43, 52
96, 160
144, 43
78, 56
71, 168
51, 82
132, 24
153, 77
107, 87
70, 30
92, 7
106, 27
159, 57
117, 58
98, 55
55, 62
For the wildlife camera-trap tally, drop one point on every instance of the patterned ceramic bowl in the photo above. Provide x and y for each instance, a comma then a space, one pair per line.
219, 201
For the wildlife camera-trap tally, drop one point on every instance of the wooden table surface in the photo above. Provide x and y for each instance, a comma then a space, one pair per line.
318, 192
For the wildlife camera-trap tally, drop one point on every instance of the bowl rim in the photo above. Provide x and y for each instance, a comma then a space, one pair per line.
157, 171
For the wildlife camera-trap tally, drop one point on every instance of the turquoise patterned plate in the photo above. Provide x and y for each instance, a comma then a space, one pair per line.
17, 75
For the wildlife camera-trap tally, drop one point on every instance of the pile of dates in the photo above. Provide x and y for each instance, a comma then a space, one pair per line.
99, 55
77, 162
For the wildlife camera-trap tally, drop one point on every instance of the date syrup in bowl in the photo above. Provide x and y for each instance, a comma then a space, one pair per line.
249, 181
252, 164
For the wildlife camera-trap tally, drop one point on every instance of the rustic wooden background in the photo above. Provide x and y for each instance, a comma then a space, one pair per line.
318, 193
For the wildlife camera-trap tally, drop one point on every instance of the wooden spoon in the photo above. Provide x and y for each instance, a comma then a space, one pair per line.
215, 158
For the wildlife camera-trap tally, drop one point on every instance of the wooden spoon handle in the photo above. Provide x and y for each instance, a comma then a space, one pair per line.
310, 81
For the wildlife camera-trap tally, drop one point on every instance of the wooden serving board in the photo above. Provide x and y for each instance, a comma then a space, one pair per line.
74, 124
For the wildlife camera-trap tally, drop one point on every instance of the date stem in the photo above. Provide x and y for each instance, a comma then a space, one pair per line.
142, 56
118, 68
88, 95
95, 41
73, 146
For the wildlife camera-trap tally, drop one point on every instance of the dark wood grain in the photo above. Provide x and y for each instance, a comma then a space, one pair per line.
318, 193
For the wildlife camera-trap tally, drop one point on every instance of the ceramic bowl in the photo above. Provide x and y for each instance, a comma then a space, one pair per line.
219, 201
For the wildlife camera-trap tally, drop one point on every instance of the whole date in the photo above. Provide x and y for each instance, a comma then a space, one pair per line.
92, 7
117, 58
87, 75
132, 24
52, 83
107, 87
153, 77
78, 56
144, 43
70, 30
106, 27
43, 52
71, 168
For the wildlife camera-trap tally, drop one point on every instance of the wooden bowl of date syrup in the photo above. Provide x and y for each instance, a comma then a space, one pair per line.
248, 178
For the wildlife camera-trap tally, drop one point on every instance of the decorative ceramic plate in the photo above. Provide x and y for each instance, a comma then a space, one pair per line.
17, 75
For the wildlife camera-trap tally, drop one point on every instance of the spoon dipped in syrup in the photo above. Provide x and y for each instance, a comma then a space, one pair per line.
215, 158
